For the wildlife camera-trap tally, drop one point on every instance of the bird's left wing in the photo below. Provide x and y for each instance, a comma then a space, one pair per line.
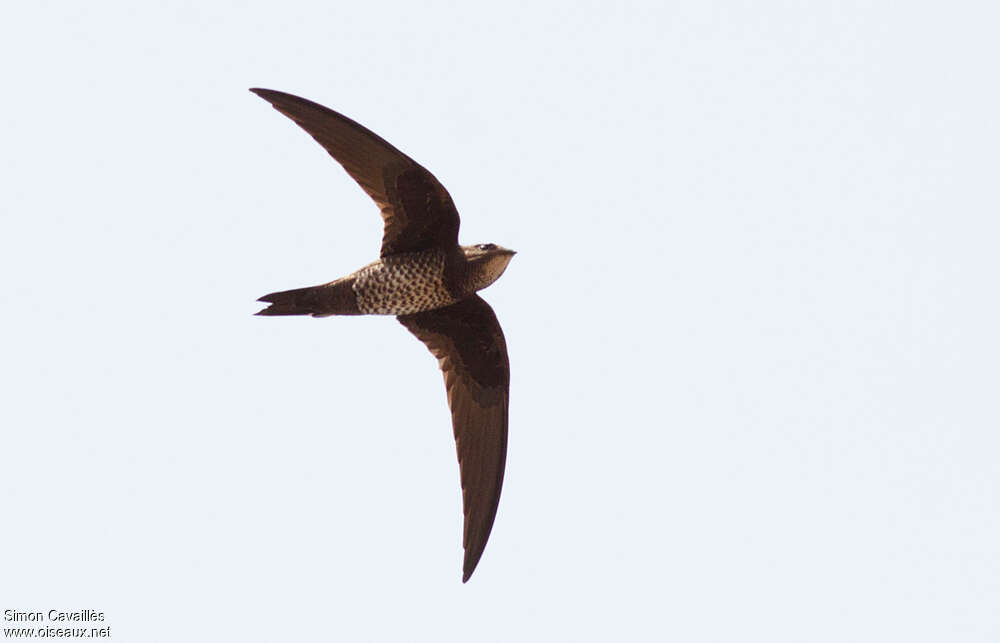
467, 341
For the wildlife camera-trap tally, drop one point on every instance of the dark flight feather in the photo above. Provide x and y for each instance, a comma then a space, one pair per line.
417, 210
467, 341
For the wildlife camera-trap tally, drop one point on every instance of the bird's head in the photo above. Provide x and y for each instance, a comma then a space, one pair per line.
488, 261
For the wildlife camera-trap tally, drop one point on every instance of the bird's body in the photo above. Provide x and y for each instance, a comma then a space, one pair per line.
429, 282
400, 284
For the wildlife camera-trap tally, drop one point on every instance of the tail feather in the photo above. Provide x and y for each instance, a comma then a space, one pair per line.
335, 298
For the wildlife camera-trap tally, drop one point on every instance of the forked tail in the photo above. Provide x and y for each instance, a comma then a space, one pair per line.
334, 298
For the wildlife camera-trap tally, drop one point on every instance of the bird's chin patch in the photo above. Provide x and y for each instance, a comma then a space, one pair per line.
498, 264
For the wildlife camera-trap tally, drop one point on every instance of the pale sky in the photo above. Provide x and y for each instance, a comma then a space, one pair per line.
752, 321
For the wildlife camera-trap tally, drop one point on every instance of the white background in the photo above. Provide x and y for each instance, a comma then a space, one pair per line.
752, 322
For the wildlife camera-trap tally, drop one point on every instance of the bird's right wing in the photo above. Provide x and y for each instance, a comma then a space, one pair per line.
467, 341
417, 211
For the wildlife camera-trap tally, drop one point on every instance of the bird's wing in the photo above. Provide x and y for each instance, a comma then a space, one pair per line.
467, 341
417, 211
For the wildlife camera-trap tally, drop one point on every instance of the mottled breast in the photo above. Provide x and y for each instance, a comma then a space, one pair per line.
402, 284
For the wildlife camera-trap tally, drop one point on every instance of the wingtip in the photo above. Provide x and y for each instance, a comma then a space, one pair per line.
467, 569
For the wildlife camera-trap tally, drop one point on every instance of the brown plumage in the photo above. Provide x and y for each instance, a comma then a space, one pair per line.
429, 281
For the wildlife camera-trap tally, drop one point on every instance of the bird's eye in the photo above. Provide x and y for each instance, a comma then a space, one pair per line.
487, 246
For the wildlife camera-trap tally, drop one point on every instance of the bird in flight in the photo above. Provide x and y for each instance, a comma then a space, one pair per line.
429, 281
